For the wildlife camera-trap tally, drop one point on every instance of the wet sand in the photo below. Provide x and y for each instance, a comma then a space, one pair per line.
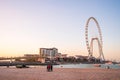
40, 73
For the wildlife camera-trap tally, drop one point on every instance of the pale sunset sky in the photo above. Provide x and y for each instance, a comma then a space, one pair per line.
27, 25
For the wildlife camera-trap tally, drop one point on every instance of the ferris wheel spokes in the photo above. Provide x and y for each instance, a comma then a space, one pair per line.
98, 39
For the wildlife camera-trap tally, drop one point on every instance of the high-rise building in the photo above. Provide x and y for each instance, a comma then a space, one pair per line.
48, 52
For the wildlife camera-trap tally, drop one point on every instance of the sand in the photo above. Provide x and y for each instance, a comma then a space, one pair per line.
40, 73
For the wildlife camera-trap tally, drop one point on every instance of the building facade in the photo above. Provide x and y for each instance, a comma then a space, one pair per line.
48, 52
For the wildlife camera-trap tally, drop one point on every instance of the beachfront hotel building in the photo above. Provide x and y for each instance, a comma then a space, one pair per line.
48, 52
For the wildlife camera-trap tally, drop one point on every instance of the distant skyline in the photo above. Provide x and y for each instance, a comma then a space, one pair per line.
27, 25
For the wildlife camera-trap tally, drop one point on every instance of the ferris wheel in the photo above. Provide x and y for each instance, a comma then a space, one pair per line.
90, 40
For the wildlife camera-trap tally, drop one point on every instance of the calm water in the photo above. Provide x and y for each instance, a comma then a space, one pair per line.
113, 66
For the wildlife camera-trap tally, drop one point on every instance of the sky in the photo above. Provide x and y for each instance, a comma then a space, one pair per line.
27, 25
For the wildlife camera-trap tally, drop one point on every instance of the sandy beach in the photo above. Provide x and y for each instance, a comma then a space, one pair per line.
40, 73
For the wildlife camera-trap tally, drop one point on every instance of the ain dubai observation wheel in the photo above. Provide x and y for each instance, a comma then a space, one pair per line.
90, 40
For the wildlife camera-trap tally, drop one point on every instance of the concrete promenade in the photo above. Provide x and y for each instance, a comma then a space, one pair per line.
40, 73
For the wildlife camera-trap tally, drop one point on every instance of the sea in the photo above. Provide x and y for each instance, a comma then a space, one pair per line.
81, 65
111, 66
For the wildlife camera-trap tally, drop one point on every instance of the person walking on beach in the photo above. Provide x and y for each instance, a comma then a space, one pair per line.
48, 67
51, 67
